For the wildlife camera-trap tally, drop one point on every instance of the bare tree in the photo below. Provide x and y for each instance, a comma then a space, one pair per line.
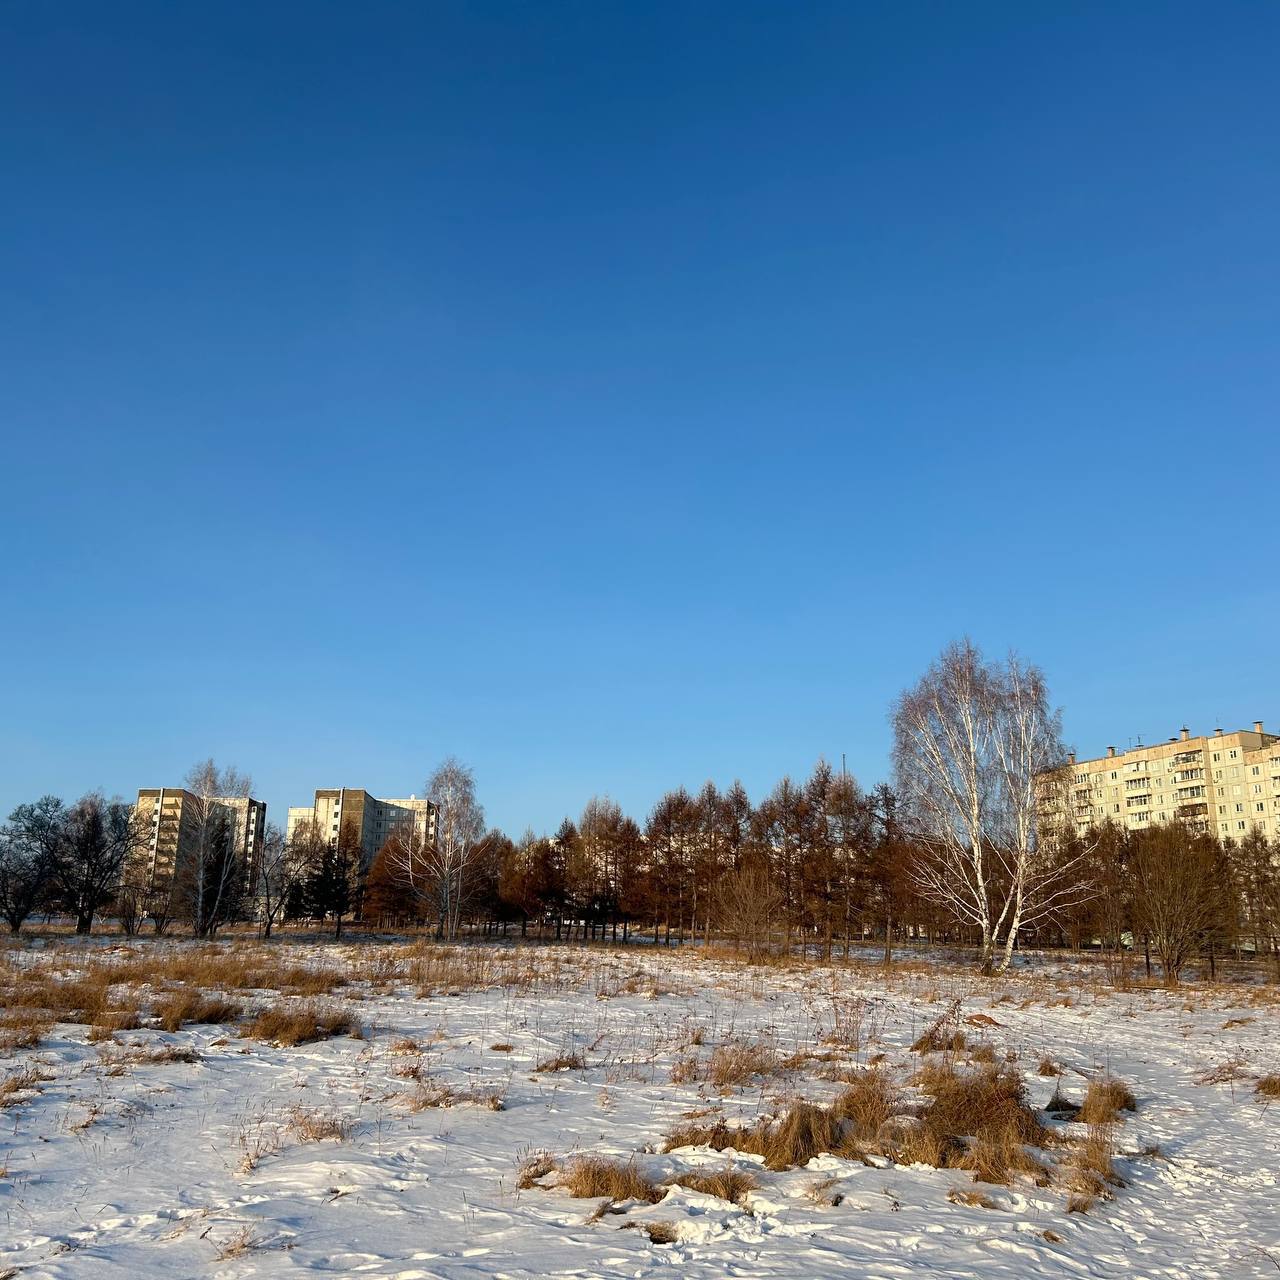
25, 869
748, 902
96, 838
970, 741
1180, 892
209, 883
459, 840
281, 869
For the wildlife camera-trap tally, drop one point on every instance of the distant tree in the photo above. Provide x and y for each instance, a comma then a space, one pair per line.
459, 843
333, 876
210, 880
281, 867
1178, 892
25, 866
1259, 863
887, 870
748, 903
96, 838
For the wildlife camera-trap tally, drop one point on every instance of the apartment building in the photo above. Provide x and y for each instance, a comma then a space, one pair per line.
1226, 783
173, 816
375, 819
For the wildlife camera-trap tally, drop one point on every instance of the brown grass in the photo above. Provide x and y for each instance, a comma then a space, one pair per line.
592, 1177
1090, 1171
535, 1166
193, 1006
291, 1023
973, 1198
21, 1082
726, 1184
735, 1063
563, 1062
1268, 1086
23, 1029
1049, 1068
319, 1125
803, 1132
432, 1095
869, 1101
1105, 1099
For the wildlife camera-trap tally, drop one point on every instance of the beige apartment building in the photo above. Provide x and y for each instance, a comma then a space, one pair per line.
376, 820
171, 818
1226, 783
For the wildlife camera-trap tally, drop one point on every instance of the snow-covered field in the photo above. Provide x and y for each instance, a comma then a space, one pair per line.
119, 1161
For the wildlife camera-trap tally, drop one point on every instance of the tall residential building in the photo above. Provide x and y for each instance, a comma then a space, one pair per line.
1226, 783
375, 820
171, 816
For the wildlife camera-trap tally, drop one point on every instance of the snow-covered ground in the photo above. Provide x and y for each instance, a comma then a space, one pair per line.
116, 1166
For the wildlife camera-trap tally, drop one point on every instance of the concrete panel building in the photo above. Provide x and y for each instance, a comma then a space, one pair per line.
1224, 783
376, 820
171, 815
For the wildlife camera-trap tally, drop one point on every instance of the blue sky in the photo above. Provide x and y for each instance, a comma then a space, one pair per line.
618, 396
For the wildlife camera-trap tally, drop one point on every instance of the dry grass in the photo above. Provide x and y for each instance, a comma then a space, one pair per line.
15, 1088
319, 1125
973, 1198
1090, 1171
871, 1099
533, 1167
1049, 1068
432, 1095
106, 1024
291, 1023
726, 1184
244, 1241
803, 1132
563, 1062
593, 1177
23, 1029
193, 1006
735, 1063
1268, 1086
1105, 1099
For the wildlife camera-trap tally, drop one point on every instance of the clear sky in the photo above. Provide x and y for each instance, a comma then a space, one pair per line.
618, 396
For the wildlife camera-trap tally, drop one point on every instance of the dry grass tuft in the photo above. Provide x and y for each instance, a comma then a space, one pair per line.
735, 1063
1268, 1086
291, 1023
23, 1029
1090, 1171
871, 1099
192, 1006
973, 1198
563, 1062
319, 1125
727, 1184
1049, 1068
593, 1177
534, 1167
14, 1088
431, 1095
1106, 1098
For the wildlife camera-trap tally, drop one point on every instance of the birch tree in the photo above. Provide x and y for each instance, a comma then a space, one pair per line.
210, 881
972, 741
459, 842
